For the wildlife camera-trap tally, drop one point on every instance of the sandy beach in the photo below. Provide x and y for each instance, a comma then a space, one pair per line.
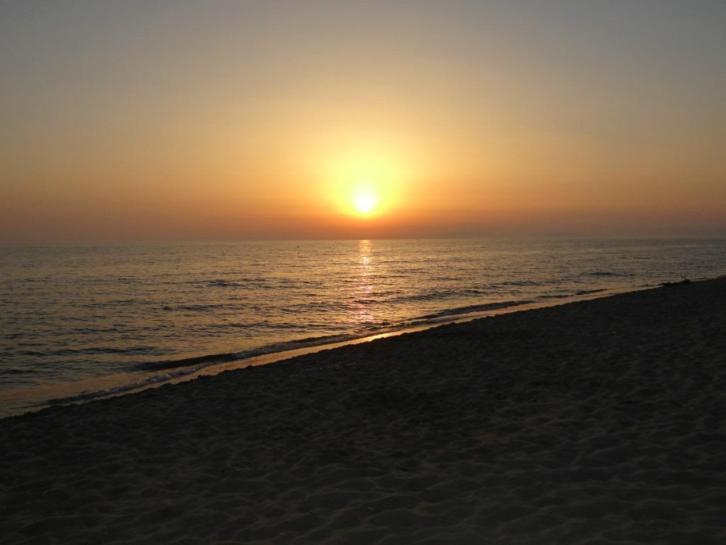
599, 422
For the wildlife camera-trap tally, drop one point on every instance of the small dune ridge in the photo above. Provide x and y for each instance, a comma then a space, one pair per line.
591, 423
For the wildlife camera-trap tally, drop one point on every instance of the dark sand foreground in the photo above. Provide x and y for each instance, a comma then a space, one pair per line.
599, 422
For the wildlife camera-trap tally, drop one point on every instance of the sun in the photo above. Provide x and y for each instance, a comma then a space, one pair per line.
365, 201
362, 190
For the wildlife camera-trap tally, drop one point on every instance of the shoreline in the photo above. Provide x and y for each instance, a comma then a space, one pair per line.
593, 422
36, 398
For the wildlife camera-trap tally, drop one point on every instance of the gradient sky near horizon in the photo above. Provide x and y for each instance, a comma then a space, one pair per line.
223, 120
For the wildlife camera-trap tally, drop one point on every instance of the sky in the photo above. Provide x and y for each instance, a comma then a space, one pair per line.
173, 120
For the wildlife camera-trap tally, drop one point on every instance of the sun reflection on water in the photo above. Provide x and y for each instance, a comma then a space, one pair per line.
365, 289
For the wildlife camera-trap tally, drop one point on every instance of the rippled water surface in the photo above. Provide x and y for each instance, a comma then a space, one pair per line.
69, 313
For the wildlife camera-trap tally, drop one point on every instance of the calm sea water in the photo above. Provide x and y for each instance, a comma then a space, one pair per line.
72, 313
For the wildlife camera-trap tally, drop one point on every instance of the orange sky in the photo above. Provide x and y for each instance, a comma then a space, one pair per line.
235, 120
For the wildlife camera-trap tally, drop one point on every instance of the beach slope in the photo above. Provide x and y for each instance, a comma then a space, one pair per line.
599, 422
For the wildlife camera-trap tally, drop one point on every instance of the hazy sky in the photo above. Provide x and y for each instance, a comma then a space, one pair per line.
218, 120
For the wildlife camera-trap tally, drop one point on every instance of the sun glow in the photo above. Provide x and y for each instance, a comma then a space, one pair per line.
364, 184
365, 200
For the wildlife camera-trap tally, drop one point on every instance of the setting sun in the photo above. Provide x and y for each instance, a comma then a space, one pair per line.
362, 180
365, 201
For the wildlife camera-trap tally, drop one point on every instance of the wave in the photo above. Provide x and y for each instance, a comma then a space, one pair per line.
18, 371
470, 309
440, 294
114, 303
466, 292
518, 283
193, 307
263, 324
571, 294
132, 350
199, 362
607, 273
254, 283
224, 284
117, 390
588, 292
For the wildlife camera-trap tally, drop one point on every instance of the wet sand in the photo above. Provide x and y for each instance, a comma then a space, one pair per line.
599, 422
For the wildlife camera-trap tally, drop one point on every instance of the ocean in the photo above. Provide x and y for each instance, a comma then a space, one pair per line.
71, 317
